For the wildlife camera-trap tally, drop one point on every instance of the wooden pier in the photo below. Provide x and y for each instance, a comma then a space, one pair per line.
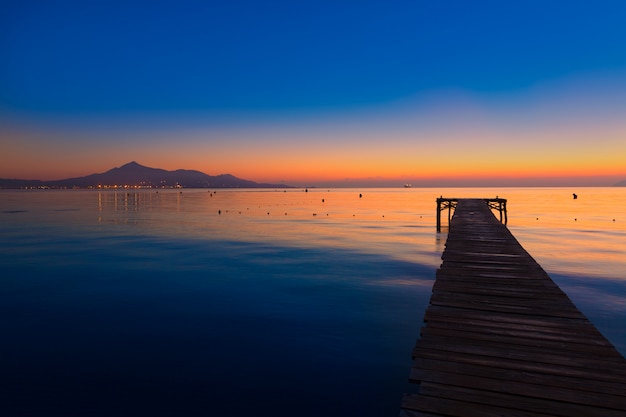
501, 339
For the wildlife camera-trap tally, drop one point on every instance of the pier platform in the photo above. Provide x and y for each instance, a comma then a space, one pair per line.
443, 203
501, 339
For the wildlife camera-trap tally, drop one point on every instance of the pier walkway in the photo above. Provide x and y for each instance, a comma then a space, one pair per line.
501, 339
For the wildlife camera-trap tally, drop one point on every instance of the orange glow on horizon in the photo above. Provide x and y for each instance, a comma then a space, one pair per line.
291, 169
390, 150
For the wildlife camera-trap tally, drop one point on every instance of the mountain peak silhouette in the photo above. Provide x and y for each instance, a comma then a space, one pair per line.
134, 174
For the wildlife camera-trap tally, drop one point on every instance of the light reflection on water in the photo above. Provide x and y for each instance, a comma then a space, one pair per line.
384, 222
154, 299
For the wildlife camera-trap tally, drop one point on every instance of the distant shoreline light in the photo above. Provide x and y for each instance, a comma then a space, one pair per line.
126, 186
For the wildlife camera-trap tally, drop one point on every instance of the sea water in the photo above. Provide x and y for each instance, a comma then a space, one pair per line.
255, 302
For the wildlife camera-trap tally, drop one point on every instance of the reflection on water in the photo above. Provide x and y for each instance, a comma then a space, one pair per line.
380, 221
150, 301
583, 236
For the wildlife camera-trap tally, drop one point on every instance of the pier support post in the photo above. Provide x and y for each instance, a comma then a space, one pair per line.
506, 219
438, 215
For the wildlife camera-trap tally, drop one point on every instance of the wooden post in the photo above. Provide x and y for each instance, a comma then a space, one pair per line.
438, 215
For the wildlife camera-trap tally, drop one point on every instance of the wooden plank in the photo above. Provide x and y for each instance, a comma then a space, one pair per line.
571, 336
525, 277
529, 281
580, 334
517, 402
541, 323
532, 340
559, 304
515, 373
607, 365
516, 363
473, 304
525, 393
497, 289
514, 274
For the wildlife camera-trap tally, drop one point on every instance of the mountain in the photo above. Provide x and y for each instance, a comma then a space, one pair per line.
134, 174
621, 184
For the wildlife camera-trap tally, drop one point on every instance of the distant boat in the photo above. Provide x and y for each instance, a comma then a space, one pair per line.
407, 185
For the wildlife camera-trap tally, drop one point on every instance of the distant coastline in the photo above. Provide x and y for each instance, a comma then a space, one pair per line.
136, 176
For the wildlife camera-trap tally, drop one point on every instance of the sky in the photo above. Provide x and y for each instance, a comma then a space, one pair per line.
317, 93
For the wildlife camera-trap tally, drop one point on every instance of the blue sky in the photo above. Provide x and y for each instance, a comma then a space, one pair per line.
239, 72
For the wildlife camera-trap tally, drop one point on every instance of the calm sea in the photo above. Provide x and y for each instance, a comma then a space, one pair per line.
255, 302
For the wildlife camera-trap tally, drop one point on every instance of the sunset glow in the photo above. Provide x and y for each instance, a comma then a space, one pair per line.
538, 115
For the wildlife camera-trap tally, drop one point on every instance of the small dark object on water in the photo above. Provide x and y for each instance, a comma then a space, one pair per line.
360, 195
575, 196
